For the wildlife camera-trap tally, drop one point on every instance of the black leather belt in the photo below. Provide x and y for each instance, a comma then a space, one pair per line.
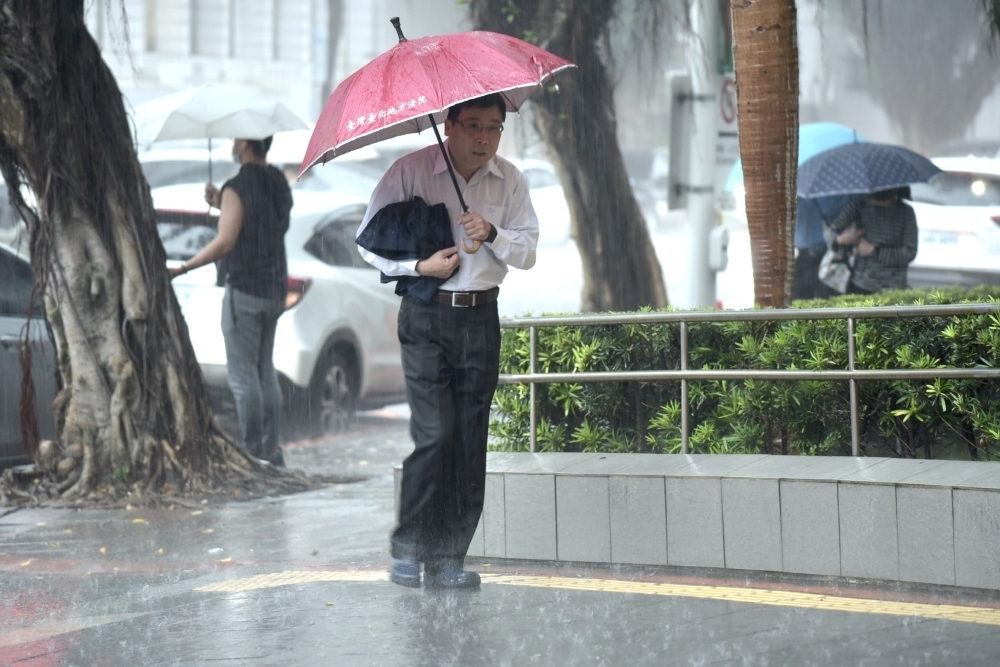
466, 299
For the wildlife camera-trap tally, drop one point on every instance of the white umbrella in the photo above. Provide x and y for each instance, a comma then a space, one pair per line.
213, 111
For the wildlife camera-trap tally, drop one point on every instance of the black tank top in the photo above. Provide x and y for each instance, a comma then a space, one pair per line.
257, 264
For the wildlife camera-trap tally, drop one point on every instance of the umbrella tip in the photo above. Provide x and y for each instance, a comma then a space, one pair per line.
399, 31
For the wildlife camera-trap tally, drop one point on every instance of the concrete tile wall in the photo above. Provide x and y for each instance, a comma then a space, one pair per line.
583, 522
932, 522
530, 516
493, 520
926, 534
751, 523
977, 538
810, 527
868, 542
638, 520
694, 522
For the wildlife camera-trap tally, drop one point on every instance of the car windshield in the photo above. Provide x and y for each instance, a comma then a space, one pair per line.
959, 189
175, 172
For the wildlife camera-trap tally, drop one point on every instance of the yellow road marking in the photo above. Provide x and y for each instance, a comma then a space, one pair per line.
288, 579
980, 615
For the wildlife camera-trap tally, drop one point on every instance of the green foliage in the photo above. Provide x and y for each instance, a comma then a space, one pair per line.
806, 417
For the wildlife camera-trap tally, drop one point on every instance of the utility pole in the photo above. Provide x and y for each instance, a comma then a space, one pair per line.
703, 53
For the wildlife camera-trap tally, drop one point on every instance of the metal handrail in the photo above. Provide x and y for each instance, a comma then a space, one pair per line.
852, 375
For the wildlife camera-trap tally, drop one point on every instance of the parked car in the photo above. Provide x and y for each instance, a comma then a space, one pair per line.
336, 347
18, 281
958, 217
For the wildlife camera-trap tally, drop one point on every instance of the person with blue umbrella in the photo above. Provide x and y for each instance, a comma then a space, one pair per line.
812, 213
878, 229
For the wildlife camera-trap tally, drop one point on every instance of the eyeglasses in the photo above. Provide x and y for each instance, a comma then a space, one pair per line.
474, 127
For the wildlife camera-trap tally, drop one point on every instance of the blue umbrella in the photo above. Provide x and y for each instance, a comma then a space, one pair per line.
814, 138
862, 168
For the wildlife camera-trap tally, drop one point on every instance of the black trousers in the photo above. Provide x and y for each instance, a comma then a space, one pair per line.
451, 358
806, 283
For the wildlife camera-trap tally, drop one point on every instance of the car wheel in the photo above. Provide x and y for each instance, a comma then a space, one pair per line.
333, 400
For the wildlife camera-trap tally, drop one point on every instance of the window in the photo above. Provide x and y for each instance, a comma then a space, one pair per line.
333, 241
18, 280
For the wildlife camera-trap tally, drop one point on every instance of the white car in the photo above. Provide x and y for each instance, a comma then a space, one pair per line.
336, 347
958, 217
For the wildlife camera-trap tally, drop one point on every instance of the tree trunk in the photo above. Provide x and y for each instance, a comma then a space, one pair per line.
132, 413
577, 120
767, 89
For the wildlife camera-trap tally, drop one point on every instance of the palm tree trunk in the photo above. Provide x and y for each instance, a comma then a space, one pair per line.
767, 85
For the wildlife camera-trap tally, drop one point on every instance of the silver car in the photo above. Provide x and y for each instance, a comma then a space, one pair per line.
18, 282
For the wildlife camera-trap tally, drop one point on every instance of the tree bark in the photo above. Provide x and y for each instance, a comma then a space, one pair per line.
577, 120
767, 89
132, 414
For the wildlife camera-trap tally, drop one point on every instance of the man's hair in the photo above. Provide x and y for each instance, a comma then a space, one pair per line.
484, 102
260, 147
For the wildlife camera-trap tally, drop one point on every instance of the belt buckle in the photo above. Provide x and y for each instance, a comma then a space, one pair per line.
456, 304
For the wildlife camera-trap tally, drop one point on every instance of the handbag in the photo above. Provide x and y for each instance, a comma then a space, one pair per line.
835, 269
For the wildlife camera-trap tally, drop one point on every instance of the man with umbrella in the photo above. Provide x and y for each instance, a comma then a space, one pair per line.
451, 346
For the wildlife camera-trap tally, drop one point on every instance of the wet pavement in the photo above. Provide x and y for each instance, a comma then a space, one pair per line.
300, 580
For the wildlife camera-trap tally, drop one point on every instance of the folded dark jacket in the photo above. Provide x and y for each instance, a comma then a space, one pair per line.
409, 230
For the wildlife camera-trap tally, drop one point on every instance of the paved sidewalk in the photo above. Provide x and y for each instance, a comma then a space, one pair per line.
300, 580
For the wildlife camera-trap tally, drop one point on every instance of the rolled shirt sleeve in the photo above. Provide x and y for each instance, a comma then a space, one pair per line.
390, 190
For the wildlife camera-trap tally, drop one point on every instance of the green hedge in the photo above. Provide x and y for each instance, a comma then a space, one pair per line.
944, 418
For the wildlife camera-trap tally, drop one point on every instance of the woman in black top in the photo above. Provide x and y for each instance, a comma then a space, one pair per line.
255, 206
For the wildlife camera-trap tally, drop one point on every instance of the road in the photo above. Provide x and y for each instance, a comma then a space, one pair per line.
301, 580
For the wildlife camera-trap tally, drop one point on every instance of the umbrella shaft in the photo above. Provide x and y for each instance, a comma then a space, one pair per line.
451, 171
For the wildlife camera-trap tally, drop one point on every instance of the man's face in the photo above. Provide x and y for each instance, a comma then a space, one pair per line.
239, 147
474, 139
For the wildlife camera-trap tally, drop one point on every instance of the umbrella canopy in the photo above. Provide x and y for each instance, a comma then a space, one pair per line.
814, 138
410, 87
213, 112
862, 168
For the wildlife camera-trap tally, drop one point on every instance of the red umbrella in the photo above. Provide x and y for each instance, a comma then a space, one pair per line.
410, 87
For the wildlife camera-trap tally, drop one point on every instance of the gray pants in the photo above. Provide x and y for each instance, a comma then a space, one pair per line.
248, 325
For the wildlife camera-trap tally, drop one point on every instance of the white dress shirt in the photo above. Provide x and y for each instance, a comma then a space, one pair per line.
497, 191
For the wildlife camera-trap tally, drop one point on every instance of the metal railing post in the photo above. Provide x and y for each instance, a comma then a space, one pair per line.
685, 427
855, 438
533, 334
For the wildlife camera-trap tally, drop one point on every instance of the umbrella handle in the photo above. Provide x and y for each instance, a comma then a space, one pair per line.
471, 249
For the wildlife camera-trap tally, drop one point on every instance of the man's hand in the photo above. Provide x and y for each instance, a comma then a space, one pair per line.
476, 228
865, 248
212, 196
440, 265
850, 236
175, 271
